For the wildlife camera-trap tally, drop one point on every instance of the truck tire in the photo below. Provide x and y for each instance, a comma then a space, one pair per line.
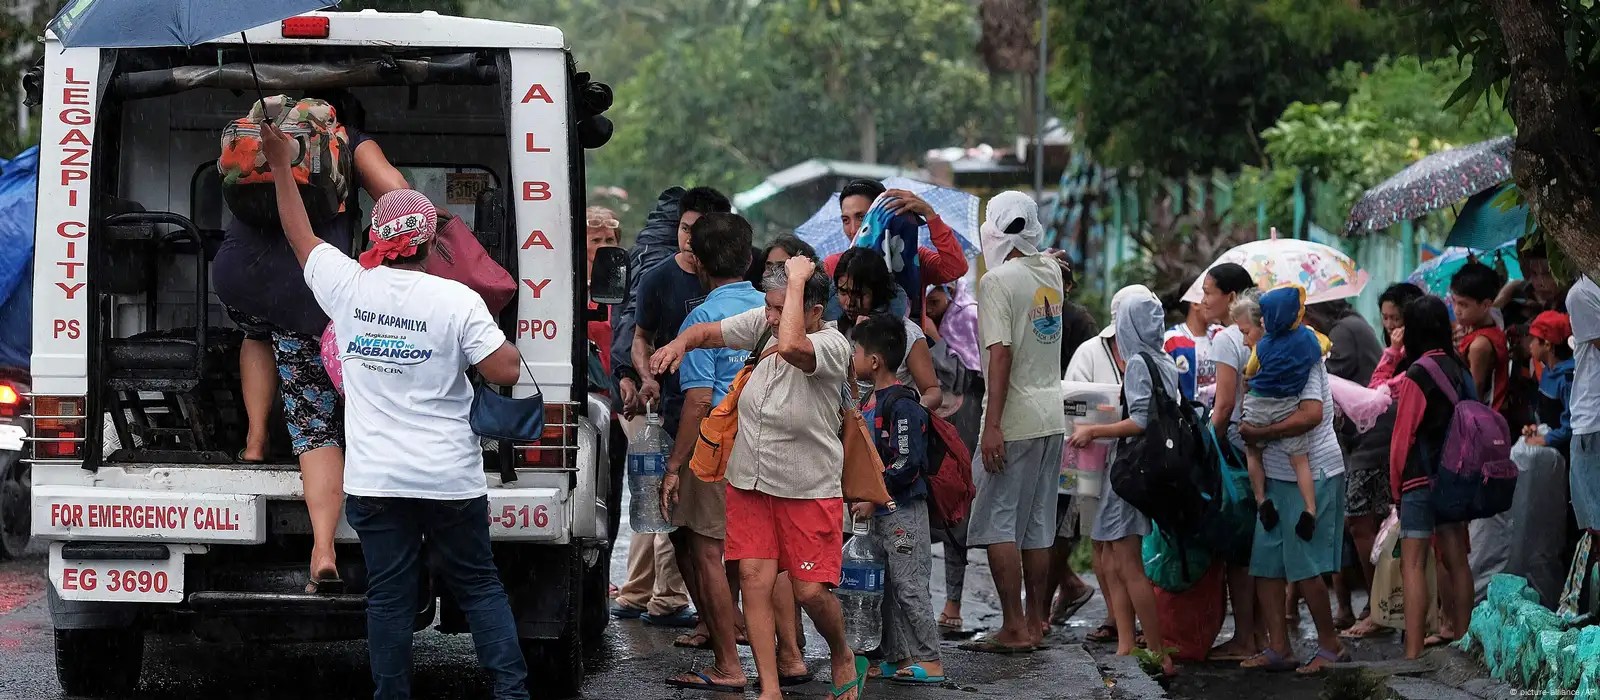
99, 662
555, 666
596, 603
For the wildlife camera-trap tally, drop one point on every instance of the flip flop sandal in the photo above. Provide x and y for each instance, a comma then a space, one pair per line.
859, 684
1320, 661
1436, 640
988, 645
681, 617
705, 683
1060, 617
802, 679
325, 586
882, 670
1374, 631
1269, 660
239, 457
1104, 634
949, 624
687, 641
917, 676
621, 611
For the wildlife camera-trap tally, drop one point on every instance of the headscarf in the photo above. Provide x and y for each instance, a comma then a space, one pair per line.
1119, 301
1011, 222
959, 327
1289, 349
895, 237
1140, 324
401, 221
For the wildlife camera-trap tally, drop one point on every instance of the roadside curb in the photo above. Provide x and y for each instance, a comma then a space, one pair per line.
1444, 673
1127, 680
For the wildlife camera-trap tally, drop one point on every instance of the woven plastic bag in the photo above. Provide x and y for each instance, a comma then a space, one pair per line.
330, 359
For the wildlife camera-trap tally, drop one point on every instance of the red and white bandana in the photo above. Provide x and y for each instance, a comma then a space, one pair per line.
401, 221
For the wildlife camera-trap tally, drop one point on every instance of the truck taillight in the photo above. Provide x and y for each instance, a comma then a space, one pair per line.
558, 448
10, 401
305, 28
58, 427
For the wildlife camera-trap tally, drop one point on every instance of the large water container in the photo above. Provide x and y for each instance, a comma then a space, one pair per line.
647, 466
1087, 403
860, 590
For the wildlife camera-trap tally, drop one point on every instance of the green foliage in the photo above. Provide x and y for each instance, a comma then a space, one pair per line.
21, 29
1391, 118
1180, 86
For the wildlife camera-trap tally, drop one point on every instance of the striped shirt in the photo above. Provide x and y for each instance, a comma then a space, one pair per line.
1326, 458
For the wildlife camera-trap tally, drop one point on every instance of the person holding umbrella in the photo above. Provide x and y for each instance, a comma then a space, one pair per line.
944, 262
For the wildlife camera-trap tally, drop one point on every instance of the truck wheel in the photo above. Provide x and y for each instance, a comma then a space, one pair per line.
99, 662
15, 498
596, 603
555, 666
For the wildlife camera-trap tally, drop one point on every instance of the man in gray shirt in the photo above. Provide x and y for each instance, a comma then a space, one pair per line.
1583, 306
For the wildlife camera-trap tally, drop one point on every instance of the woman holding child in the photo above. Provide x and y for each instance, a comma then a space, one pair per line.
1282, 552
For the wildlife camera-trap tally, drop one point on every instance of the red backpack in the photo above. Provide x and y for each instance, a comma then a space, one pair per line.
950, 488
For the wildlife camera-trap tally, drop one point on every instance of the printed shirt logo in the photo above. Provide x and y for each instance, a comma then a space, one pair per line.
387, 348
1045, 314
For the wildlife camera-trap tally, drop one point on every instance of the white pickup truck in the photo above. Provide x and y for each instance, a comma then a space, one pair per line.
135, 408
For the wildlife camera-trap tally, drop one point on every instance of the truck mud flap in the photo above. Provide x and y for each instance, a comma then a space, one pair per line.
545, 587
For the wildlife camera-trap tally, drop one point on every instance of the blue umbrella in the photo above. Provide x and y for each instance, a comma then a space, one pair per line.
146, 23
1489, 220
956, 208
1434, 275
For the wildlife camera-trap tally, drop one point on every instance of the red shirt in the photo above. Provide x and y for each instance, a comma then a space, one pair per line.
1499, 377
599, 333
944, 262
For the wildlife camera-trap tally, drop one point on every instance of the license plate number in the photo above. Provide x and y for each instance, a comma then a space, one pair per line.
526, 514
159, 581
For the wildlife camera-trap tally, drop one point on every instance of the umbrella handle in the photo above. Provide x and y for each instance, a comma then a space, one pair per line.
251, 60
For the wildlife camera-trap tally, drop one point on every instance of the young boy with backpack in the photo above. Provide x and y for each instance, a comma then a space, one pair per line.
901, 429
1285, 352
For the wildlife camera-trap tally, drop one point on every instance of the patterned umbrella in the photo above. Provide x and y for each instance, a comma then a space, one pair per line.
1326, 273
957, 208
1434, 182
1434, 274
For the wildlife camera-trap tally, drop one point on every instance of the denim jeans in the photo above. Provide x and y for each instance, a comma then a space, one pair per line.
391, 531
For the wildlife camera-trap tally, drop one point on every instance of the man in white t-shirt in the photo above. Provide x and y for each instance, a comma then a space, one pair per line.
413, 467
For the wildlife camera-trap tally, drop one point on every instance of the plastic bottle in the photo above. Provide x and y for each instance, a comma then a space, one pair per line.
647, 466
860, 590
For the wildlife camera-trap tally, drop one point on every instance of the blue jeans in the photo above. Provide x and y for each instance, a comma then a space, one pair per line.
391, 531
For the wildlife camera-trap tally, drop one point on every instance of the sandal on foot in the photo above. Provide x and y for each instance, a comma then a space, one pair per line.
1065, 611
859, 684
1373, 629
1437, 640
990, 645
915, 674
695, 640
623, 611
1321, 660
682, 617
1104, 634
703, 682
1269, 660
326, 583
949, 624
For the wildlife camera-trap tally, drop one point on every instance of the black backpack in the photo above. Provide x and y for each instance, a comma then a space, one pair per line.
1169, 473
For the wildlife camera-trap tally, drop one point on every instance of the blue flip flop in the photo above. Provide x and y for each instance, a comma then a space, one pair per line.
919, 675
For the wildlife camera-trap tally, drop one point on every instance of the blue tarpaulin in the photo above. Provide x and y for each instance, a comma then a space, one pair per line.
19, 184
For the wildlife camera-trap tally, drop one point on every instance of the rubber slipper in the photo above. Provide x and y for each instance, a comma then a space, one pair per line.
882, 670
1374, 631
802, 679
859, 684
623, 611
1104, 634
681, 617
988, 645
949, 624
1314, 667
325, 586
239, 457
917, 675
1269, 660
1060, 617
687, 641
705, 683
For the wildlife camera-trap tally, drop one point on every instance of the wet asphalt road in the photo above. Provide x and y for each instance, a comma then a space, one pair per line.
634, 661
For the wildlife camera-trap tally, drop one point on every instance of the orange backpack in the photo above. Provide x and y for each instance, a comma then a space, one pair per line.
720, 427
323, 169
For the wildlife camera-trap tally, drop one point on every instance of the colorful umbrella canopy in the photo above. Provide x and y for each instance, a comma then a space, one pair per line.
956, 208
1325, 272
1484, 225
145, 23
1434, 182
1434, 275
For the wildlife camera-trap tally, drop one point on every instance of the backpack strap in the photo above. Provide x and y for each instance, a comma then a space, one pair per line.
1427, 363
761, 352
1156, 380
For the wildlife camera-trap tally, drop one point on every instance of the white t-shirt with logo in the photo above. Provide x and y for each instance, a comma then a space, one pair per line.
1019, 306
406, 339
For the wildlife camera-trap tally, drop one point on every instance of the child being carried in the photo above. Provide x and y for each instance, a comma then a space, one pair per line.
1285, 353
